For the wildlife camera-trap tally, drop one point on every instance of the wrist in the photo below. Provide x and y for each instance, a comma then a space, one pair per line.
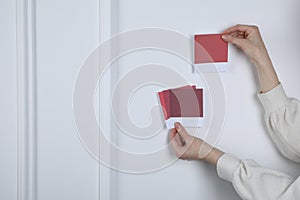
209, 154
213, 156
267, 77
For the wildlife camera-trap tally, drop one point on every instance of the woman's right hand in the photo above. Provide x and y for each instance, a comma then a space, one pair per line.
249, 40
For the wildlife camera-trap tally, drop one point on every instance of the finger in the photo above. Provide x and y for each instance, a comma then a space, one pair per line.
234, 34
181, 130
238, 41
172, 134
240, 36
237, 28
176, 138
176, 145
176, 148
174, 141
178, 151
180, 140
237, 34
173, 137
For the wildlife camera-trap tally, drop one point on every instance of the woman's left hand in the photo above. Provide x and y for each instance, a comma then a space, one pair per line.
188, 147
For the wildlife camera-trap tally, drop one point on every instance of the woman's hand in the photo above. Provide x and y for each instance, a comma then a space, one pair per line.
249, 40
188, 147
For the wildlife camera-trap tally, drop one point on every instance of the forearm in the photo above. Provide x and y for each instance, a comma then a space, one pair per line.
266, 73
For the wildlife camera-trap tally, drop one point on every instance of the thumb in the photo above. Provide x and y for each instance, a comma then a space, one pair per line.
181, 130
234, 40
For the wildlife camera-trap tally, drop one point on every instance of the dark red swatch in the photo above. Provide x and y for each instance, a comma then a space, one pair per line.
185, 101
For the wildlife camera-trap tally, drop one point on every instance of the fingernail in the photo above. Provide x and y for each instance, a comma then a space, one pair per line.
177, 125
225, 37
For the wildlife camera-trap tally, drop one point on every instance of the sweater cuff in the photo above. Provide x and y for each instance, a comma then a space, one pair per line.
273, 99
226, 166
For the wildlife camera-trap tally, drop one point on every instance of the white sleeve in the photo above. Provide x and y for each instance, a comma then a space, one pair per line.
282, 116
253, 182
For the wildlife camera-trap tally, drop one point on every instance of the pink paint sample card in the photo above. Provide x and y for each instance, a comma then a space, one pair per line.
210, 52
184, 105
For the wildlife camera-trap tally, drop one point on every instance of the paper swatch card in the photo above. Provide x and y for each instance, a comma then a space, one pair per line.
210, 53
184, 105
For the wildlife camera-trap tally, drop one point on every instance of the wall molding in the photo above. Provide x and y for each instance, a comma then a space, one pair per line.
26, 93
108, 26
27, 98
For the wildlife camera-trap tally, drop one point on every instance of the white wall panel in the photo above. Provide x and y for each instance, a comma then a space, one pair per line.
66, 33
8, 101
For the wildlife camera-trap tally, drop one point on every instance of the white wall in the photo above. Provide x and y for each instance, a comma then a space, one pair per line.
244, 134
8, 101
66, 32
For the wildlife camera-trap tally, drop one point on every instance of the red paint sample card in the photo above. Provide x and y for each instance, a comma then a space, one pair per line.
210, 52
184, 105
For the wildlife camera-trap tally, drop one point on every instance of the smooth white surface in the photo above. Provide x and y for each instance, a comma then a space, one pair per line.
67, 31
8, 101
213, 67
244, 134
185, 121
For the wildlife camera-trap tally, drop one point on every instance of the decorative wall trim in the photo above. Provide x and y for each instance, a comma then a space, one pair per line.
26, 92
108, 26
114, 80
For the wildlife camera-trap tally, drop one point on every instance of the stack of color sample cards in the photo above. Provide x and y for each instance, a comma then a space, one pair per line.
184, 105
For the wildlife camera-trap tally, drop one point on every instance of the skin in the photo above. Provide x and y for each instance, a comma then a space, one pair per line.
249, 40
188, 147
